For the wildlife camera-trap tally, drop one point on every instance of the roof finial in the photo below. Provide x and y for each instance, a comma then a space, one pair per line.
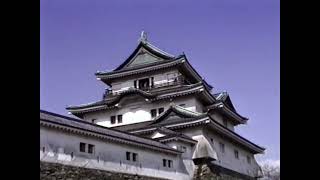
143, 37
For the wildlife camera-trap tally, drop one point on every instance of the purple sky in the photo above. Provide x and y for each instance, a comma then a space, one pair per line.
234, 44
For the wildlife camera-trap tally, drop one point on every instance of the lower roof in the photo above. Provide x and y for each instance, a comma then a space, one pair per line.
154, 95
170, 135
182, 120
49, 119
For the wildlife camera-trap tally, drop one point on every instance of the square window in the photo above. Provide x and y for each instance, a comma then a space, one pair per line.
144, 83
153, 113
236, 154
134, 157
164, 162
113, 119
161, 110
90, 149
128, 156
119, 118
248, 159
222, 147
82, 147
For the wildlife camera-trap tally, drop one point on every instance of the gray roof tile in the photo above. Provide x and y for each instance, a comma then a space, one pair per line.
56, 119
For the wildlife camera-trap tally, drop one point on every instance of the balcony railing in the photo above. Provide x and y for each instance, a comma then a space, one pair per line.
172, 82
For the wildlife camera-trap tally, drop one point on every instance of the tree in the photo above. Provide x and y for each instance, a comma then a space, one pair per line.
271, 172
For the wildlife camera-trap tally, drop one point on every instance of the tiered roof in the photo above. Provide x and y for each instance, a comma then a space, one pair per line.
178, 118
52, 120
152, 95
163, 60
175, 117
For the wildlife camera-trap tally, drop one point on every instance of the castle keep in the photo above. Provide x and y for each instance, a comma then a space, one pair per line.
158, 118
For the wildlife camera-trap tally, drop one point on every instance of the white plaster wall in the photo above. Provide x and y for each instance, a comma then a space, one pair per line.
186, 156
228, 160
192, 131
135, 109
109, 155
199, 106
218, 117
159, 78
189, 148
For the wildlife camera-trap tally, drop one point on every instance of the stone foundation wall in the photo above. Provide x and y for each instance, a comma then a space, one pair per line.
210, 172
54, 171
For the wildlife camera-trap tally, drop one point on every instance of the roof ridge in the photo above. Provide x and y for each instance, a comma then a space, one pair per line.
187, 110
158, 49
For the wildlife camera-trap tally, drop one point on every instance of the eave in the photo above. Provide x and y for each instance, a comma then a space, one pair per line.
209, 122
194, 89
180, 62
89, 129
186, 66
108, 77
183, 124
176, 138
225, 110
149, 47
236, 137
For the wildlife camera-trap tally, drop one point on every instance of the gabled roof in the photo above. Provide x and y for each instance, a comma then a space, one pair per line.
148, 47
170, 135
220, 106
206, 121
175, 114
224, 103
163, 60
177, 118
49, 119
225, 97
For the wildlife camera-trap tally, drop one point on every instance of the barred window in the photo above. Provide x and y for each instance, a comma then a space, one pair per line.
248, 159
160, 110
170, 163
90, 149
134, 157
236, 154
153, 113
128, 155
113, 119
119, 118
221, 147
82, 147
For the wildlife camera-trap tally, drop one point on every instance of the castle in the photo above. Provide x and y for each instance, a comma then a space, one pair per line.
158, 119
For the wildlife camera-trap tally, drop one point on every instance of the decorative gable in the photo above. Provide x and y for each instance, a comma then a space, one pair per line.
145, 53
143, 57
176, 113
157, 135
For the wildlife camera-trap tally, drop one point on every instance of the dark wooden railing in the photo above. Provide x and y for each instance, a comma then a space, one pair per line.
177, 81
